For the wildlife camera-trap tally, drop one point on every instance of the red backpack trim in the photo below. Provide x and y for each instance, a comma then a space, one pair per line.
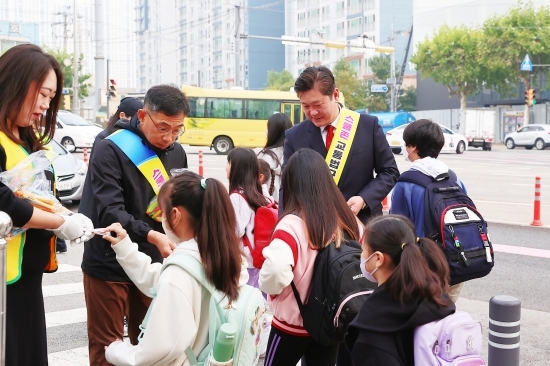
289, 240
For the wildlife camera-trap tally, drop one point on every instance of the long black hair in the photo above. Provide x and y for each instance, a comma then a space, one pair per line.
245, 175
277, 124
311, 193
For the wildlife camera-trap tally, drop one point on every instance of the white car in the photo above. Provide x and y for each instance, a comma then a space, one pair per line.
74, 130
529, 136
70, 174
454, 142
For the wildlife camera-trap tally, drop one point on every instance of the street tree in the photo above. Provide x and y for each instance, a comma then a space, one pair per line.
407, 101
279, 80
509, 37
354, 90
454, 58
66, 61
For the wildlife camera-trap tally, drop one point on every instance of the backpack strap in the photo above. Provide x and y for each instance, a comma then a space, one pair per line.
194, 267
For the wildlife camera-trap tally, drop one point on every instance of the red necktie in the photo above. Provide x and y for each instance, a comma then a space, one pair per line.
330, 135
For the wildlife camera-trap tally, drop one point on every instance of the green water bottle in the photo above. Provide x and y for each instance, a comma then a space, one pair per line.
225, 342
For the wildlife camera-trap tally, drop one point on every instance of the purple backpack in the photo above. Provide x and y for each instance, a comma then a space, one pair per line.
452, 341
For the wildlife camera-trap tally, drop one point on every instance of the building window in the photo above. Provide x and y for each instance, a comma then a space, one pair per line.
354, 6
340, 9
340, 31
356, 64
325, 13
369, 23
354, 26
301, 19
370, 4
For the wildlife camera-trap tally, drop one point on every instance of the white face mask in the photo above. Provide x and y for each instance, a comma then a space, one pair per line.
169, 233
368, 275
406, 155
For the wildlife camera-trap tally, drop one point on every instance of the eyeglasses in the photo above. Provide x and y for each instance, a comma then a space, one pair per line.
163, 131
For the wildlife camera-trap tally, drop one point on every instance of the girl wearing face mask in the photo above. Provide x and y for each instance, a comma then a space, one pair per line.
198, 215
410, 294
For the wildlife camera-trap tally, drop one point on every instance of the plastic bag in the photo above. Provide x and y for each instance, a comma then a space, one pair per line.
29, 182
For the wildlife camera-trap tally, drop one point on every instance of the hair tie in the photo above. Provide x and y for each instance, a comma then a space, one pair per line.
403, 246
417, 240
203, 183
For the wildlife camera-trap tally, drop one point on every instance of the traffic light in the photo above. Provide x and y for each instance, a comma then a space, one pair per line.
530, 97
112, 88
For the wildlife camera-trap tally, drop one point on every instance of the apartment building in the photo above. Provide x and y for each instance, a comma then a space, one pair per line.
189, 42
386, 22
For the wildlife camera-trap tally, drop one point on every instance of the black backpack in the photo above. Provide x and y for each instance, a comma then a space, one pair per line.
338, 290
452, 220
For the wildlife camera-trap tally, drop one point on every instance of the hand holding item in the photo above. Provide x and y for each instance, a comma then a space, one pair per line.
114, 233
74, 228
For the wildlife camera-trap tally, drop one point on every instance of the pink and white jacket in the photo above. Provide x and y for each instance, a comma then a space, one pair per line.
288, 258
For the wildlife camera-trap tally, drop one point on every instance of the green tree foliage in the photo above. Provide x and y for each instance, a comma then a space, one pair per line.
354, 90
508, 38
61, 56
407, 101
279, 80
454, 58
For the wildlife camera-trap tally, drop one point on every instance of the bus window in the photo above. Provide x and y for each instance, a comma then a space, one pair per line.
197, 107
261, 109
287, 109
297, 114
224, 108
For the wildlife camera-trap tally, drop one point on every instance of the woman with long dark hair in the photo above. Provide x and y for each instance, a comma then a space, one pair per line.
30, 93
315, 215
197, 215
413, 277
272, 152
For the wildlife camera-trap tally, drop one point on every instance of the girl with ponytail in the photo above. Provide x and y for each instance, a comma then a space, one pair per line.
412, 275
198, 215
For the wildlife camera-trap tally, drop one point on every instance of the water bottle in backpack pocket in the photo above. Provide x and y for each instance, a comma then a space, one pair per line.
455, 340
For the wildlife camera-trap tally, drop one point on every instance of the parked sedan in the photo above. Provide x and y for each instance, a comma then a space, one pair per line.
70, 173
454, 142
529, 136
75, 130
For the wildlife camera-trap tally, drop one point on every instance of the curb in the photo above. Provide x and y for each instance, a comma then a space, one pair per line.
500, 222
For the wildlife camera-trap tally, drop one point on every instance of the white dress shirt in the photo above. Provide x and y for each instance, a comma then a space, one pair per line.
333, 124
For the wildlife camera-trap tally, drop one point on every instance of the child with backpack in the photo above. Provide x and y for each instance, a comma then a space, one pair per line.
245, 193
409, 294
431, 184
315, 217
267, 176
197, 214
272, 152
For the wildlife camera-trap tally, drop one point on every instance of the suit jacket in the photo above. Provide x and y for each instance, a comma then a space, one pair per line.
370, 153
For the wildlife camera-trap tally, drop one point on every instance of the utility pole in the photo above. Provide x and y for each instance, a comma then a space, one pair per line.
76, 57
392, 72
237, 45
99, 56
107, 90
65, 24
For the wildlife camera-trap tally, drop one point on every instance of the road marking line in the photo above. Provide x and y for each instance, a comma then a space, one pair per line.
70, 357
63, 289
68, 268
64, 317
512, 249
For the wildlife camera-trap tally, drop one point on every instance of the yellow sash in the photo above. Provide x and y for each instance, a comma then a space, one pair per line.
340, 148
14, 252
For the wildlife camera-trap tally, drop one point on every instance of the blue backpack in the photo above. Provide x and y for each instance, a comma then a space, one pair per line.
452, 220
247, 313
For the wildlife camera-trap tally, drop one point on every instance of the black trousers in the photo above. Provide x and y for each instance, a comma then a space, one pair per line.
284, 349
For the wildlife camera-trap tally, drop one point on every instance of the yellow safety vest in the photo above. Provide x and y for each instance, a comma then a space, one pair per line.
14, 252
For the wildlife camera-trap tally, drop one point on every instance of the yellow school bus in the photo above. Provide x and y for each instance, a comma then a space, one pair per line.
223, 119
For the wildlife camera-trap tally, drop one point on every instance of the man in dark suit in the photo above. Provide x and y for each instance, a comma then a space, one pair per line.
369, 152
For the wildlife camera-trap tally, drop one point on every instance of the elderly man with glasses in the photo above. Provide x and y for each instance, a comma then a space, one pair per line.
125, 174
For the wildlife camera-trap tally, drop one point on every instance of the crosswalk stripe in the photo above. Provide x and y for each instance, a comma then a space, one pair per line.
64, 317
71, 357
63, 289
67, 268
